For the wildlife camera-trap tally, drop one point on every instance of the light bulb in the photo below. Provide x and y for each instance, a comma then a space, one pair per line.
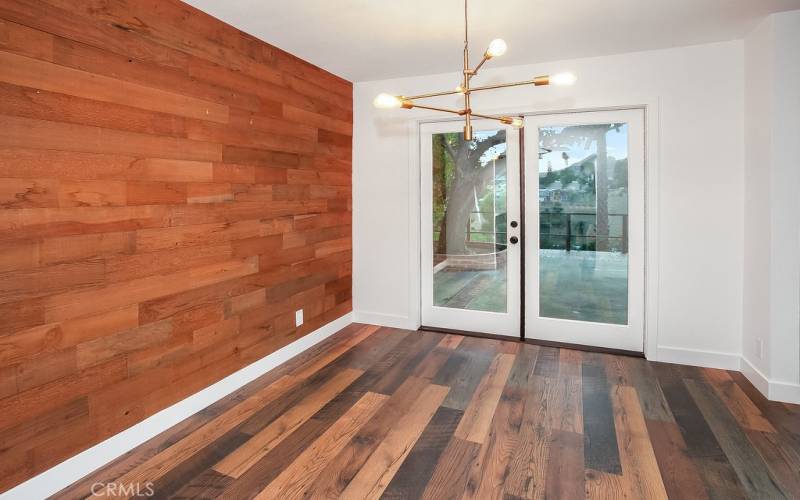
460, 89
517, 122
563, 79
387, 101
497, 48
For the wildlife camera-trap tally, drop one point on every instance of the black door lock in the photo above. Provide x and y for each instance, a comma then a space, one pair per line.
514, 223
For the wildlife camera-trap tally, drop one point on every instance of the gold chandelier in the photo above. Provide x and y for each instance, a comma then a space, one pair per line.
496, 48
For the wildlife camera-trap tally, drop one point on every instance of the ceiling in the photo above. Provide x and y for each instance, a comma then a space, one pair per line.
375, 39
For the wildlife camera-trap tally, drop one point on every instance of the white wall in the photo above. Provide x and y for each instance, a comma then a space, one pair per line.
697, 95
771, 312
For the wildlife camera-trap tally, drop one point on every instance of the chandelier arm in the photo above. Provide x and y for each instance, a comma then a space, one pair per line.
538, 81
501, 119
432, 94
411, 105
480, 64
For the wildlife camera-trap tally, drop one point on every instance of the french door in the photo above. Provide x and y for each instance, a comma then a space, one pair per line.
584, 218
470, 227
584, 228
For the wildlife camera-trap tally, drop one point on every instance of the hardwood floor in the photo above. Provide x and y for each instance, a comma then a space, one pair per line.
381, 412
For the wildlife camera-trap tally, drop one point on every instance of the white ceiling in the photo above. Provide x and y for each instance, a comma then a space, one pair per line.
374, 39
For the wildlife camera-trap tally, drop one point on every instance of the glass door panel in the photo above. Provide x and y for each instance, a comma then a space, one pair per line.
583, 210
584, 255
470, 196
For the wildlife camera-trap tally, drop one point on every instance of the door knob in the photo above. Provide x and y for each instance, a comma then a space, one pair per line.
513, 223
513, 240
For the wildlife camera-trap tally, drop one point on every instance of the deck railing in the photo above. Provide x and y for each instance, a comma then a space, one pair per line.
551, 237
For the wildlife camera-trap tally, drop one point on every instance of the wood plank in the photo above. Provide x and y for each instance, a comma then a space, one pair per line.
450, 477
340, 472
600, 447
20, 132
159, 464
238, 462
636, 453
565, 470
744, 411
678, 471
384, 462
79, 303
753, 474
27, 72
417, 469
474, 426
293, 482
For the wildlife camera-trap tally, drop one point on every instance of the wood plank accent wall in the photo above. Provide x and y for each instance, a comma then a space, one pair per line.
171, 191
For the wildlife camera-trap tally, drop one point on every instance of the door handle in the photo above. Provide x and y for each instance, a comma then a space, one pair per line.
513, 240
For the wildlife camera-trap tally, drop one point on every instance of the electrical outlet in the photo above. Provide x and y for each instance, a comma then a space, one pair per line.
298, 317
760, 348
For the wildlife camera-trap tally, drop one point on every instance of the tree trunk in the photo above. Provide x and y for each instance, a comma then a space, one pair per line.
601, 183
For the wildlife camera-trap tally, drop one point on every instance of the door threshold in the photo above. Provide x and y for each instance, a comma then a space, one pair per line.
544, 343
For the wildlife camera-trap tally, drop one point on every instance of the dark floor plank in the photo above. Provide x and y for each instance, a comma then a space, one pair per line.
782, 460
701, 445
463, 372
417, 469
678, 471
185, 472
752, 472
651, 398
600, 449
547, 362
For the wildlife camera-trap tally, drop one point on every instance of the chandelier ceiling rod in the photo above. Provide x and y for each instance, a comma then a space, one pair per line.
496, 48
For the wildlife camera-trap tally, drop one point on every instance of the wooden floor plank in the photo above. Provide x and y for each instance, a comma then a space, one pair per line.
342, 469
417, 469
636, 452
451, 474
477, 417
241, 459
753, 473
678, 471
161, 463
744, 410
293, 482
599, 435
381, 466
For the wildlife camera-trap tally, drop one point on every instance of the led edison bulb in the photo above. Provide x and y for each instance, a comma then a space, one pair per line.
563, 79
517, 122
387, 101
496, 48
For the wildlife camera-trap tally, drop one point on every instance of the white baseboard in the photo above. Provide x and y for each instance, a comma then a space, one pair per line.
754, 375
381, 319
694, 357
774, 390
62, 475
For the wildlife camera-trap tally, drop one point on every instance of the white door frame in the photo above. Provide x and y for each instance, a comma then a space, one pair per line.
651, 106
496, 323
627, 337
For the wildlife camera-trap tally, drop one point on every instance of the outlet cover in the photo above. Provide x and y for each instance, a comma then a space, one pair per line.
298, 317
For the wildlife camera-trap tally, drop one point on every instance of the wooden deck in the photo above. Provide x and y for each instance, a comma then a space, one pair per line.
381, 412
